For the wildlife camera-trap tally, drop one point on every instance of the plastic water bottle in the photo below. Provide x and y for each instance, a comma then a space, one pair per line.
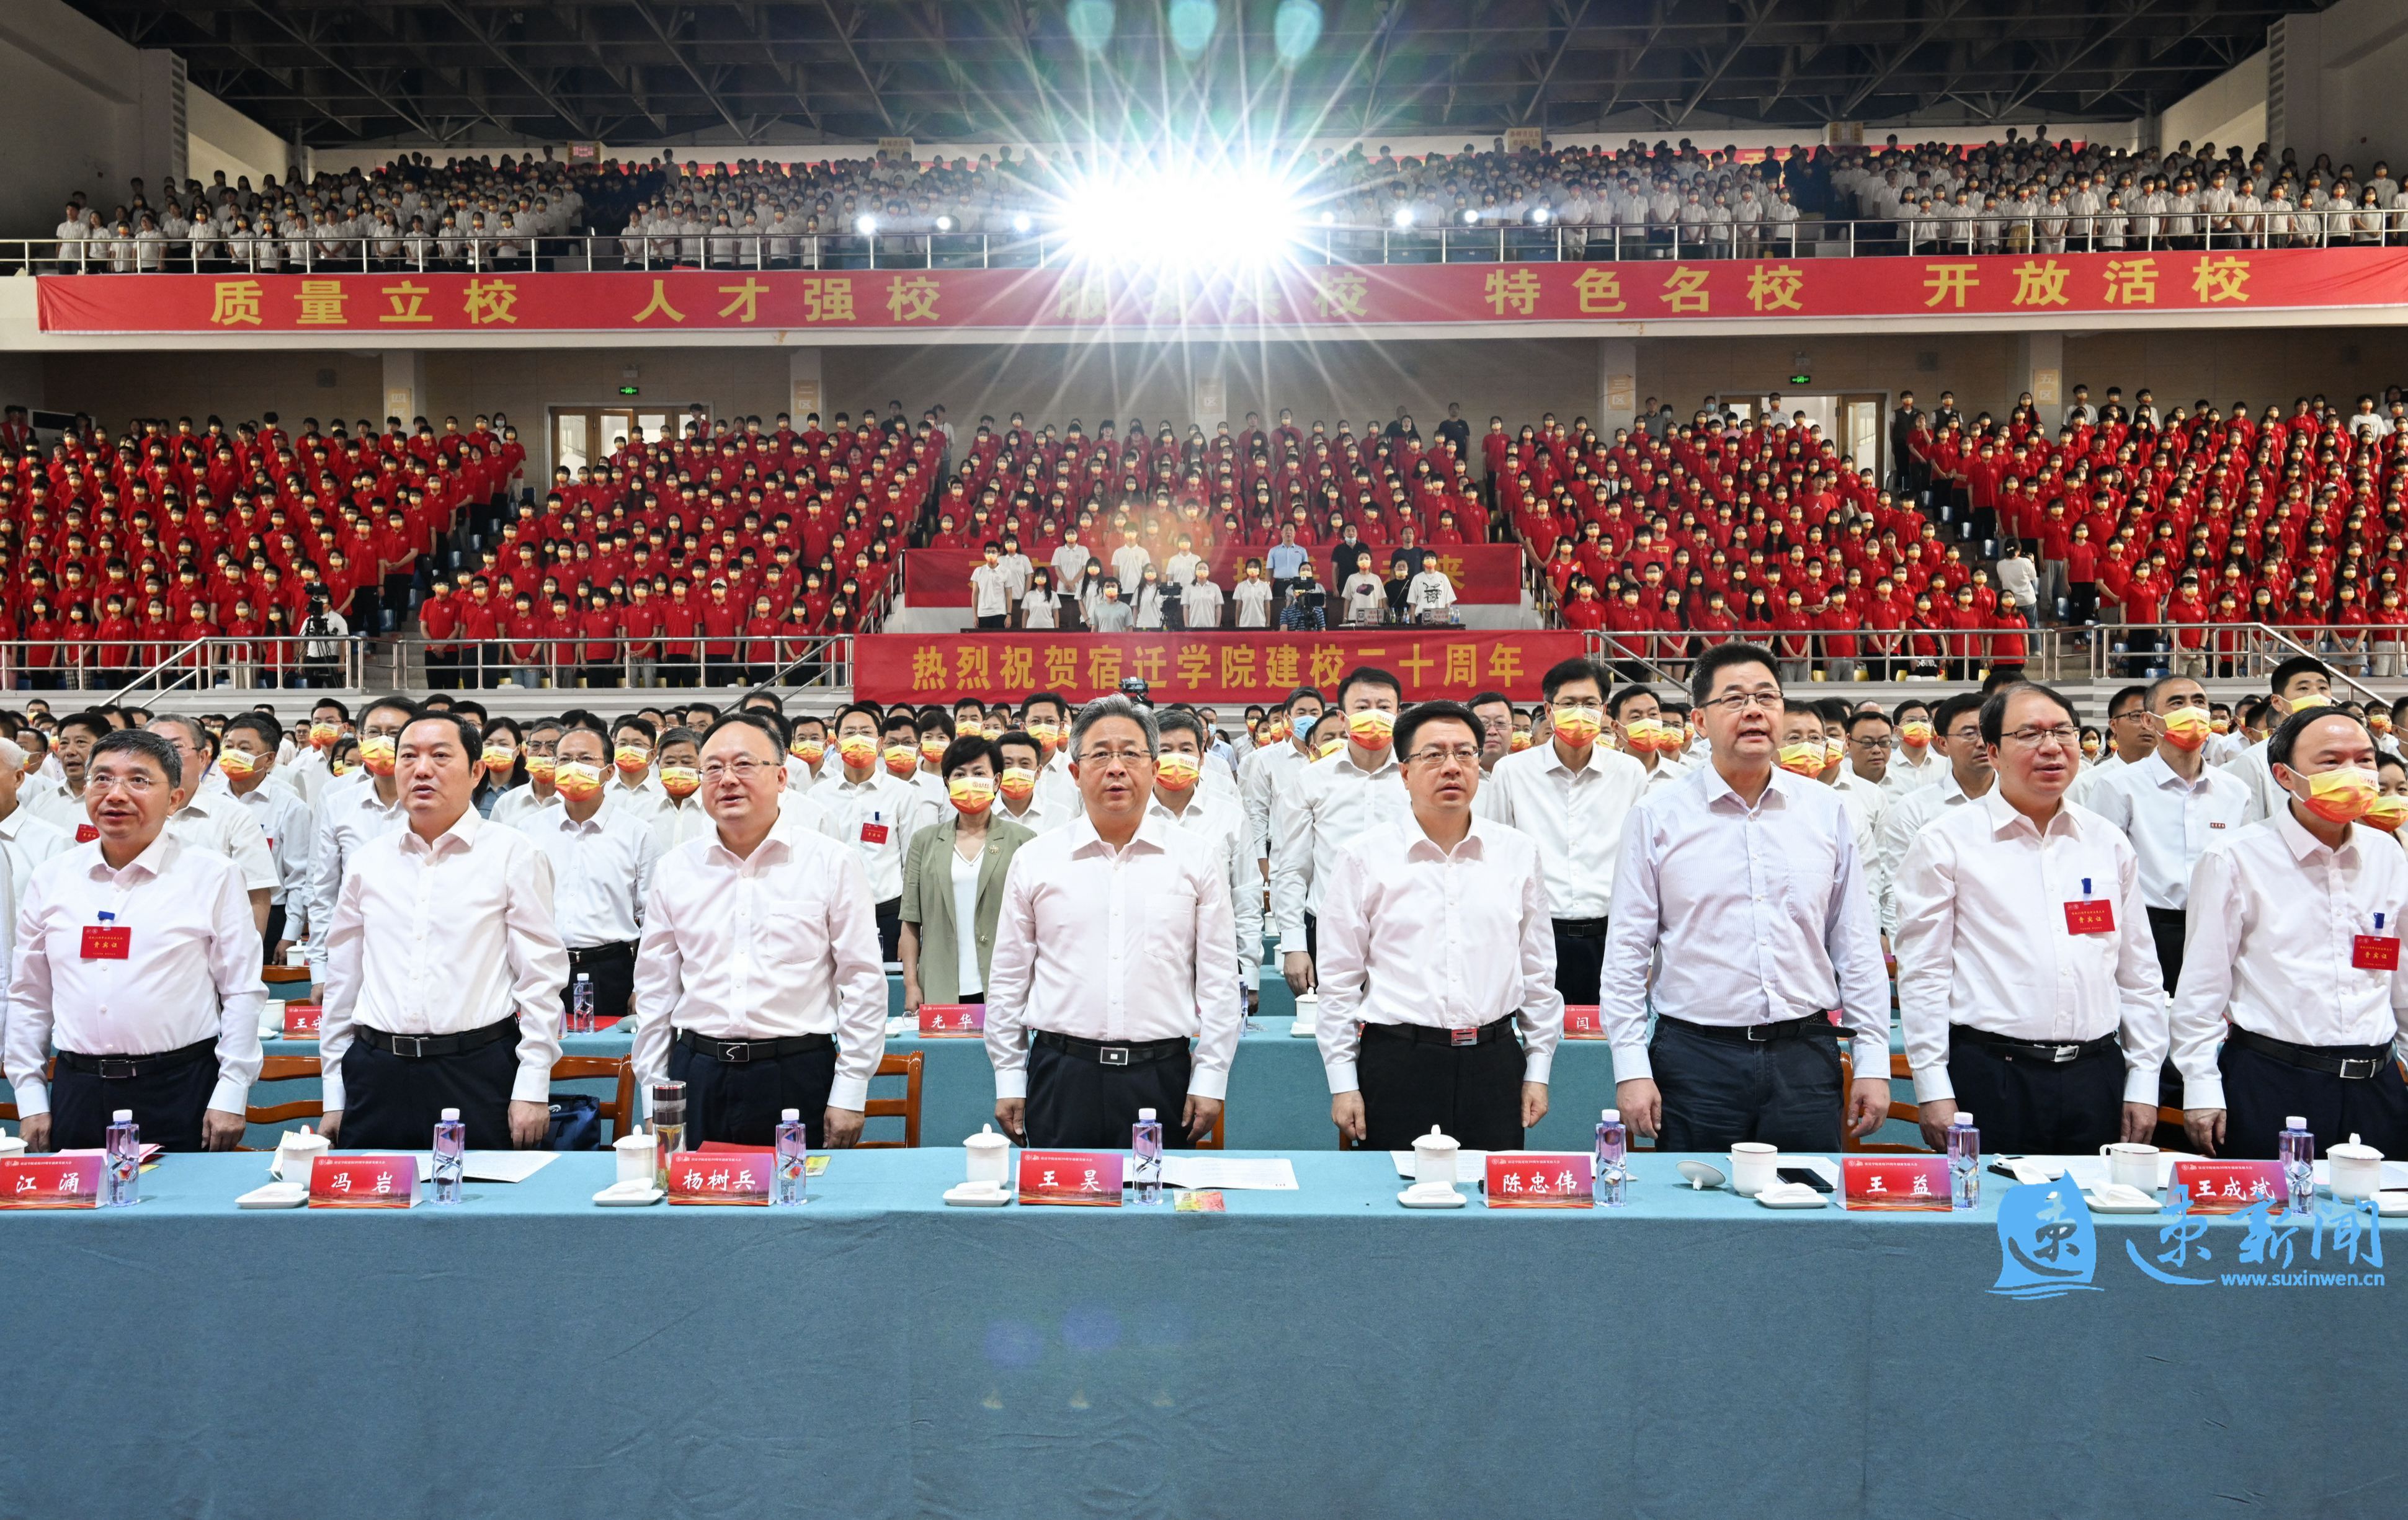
451, 1156
1611, 1179
1964, 1162
793, 1157
580, 1005
2298, 1149
1145, 1140
122, 1178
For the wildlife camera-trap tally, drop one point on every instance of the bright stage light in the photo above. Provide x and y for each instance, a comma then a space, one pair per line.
865, 225
1404, 216
944, 223
1471, 217
1202, 216
1539, 214
1021, 223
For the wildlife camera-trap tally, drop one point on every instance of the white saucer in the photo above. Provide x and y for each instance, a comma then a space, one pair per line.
1790, 1196
632, 1194
977, 1195
274, 1195
1699, 1175
1302, 1029
1434, 1197
2393, 1203
2120, 1198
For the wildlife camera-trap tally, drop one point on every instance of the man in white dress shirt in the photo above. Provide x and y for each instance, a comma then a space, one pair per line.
71, 747
2172, 805
1436, 941
136, 958
1017, 795
247, 755
1969, 777
1264, 771
682, 818
1331, 803
2022, 950
2299, 684
2131, 739
354, 810
874, 811
212, 819
1747, 878
602, 850
1216, 815
2294, 961
759, 985
443, 966
1646, 738
309, 772
1571, 795
1113, 950
26, 840
1913, 765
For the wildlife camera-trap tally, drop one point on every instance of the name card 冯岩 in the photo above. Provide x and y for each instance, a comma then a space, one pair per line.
2225, 1187
1092, 1178
1540, 1180
363, 1181
52, 1181
952, 1020
1895, 1181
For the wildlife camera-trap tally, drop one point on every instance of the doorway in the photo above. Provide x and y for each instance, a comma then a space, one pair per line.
582, 436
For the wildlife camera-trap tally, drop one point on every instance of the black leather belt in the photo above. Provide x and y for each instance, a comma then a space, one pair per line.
418, 1047
1580, 928
124, 1068
1134, 1053
623, 950
739, 1052
1757, 1034
2063, 1052
1425, 1033
2351, 1063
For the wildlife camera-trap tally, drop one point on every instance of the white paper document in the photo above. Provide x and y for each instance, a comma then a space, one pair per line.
2089, 1171
1256, 1174
491, 1165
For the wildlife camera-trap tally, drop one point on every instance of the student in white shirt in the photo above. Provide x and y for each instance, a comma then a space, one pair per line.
1201, 600
443, 966
758, 984
2024, 950
247, 758
1429, 596
1436, 944
1252, 597
1364, 596
137, 958
1036, 606
1334, 800
602, 851
990, 589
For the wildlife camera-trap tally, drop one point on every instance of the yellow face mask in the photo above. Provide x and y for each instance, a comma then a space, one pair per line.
235, 764
1329, 747
2386, 813
1371, 728
970, 793
1576, 726
1834, 751
811, 752
323, 735
578, 780
857, 750
1914, 733
680, 781
1803, 758
1520, 741
1177, 772
2342, 795
1047, 737
498, 760
342, 767
901, 759
932, 749
2301, 704
2187, 728
540, 767
631, 759
1018, 781
377, 754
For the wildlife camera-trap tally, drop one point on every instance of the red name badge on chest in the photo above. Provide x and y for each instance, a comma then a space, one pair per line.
1880, 1182
721, 1177
873, 833
363, 1181
52, 1181
1582, 1021
2226, 1187
301, 1020
2091, 915
106, 941
952, 1020
1092, 1178
2374, 953
85, 834
1538, 1180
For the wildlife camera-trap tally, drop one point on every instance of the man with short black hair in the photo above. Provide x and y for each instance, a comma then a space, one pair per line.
1958, 720
602, 851
1332, 802
2172, 805
1640, 725
873, 812
2297, 685
247, 758
1494, 711
1914, 765
211, 819
1266, 770
354, 810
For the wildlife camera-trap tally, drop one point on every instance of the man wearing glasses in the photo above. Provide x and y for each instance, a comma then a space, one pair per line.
1958, 720
1435, 938
2129, 741
2022, 950
758, 981
1747, 880
2172, 805
1571, 796
1115, 948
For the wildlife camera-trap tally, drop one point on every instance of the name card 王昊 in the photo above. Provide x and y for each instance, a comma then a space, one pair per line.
1092, 1178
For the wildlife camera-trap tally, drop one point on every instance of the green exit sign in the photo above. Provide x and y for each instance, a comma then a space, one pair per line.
627, 390
1802, 380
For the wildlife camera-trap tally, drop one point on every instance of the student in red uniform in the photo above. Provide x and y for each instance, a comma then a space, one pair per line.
439, 623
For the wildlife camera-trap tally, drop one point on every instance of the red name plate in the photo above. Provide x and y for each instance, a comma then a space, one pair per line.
1904, 1181
1538, 1180
301, 1020
1583, 1022
51, 1181
952, 1020
363, 1181
2375, 953
1083, 1176
2225, 1187
718, 1177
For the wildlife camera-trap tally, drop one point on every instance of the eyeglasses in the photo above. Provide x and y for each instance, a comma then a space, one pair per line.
743, 770
1741, 701
1462, 755
1128, 755
1874, 745
2064, 735
137, 784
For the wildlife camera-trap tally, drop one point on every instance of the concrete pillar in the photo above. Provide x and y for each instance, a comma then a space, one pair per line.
806, 390
166, 143
1208, 390
404, 385
1618, 383
2039, 368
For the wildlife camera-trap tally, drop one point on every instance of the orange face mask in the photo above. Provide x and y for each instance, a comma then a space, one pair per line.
1915, 734
1371, 728
499, 761
578, 780
811, 752
631, 760
377, 754
1576, 726
2386, 813
2342, 795
1520, 741
1177, 772
971, 794
541, 767
235, 764
680, 781
901, 759
2187, 728
857, 750
933, 747
1018, 781
1804, 758
323, 735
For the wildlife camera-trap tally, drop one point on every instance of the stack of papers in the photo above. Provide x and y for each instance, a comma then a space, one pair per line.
493, 1166
1273, 1174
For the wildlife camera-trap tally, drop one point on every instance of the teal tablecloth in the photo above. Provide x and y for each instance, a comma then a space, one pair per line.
1316, 1353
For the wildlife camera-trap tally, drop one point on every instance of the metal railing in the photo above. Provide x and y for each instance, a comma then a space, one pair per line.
740, 660
1477, 241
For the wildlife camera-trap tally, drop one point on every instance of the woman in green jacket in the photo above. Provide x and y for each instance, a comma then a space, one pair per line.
952, 882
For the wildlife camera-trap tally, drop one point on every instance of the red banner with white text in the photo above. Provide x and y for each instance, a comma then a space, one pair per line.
1483, 574
1200, 667
1324, 298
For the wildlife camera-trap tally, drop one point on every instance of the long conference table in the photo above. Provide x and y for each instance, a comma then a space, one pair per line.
1320, 1352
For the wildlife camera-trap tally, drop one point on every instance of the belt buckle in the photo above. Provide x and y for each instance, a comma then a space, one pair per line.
116, 1070
736, 1051
2371, 1065
2062, 1054
1112, 1055
1756, 1034
1462, 1037
417, 1044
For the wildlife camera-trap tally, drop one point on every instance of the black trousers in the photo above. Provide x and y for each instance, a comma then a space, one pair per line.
890, 929
990, 622
1471, 1092
1579, 962
275, 929
738, 1103
2166, 926
1075, 1104
1717, 1092
1313, 940
615, 984
168, 1105
393, 1102
2260, 1092
2023, 1104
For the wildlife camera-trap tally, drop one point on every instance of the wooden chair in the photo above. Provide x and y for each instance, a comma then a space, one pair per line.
286, 1068
1212, 1140
907, 1108
273, 973
620, 1109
